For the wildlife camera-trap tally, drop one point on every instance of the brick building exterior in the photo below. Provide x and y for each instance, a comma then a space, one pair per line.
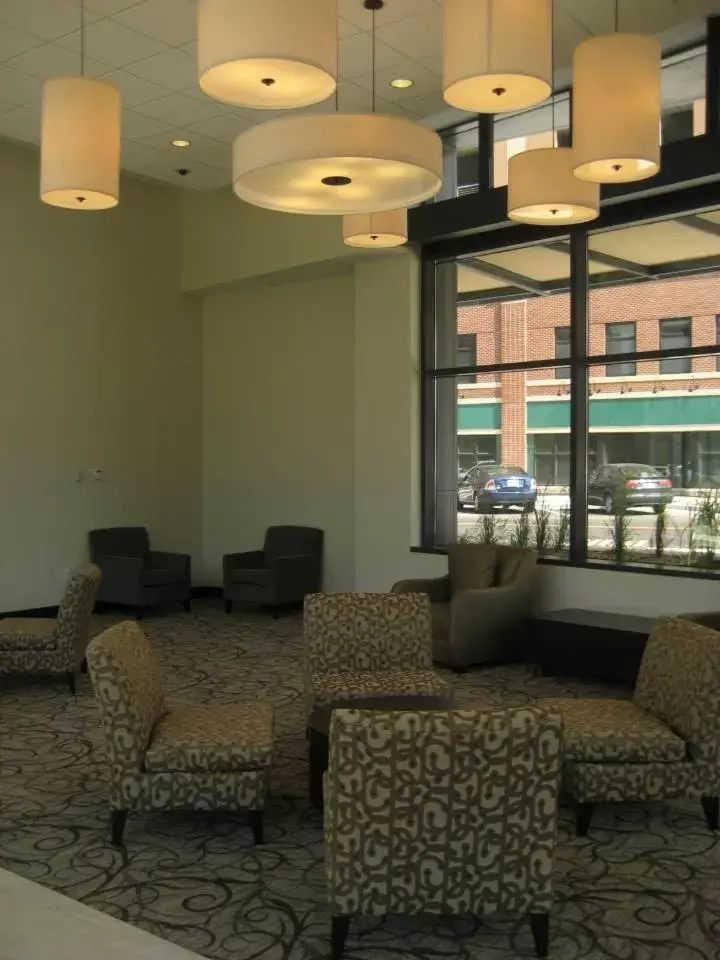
666, 414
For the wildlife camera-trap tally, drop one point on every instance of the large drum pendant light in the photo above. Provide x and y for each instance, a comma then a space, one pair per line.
543, 190
80, 141
338, 163
496, 54
617, 108
376, 231
268, 54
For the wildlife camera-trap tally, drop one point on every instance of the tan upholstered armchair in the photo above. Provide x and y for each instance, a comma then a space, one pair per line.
479, 609
367, 644
471, 826
53, 646
193, 757
662, 745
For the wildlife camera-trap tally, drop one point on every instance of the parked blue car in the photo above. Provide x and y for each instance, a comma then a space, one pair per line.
487, 487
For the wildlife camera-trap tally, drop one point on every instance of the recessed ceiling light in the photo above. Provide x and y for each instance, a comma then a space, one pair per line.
180, 143
402, 83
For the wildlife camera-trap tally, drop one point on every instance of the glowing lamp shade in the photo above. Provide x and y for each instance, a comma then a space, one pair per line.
616, 108
375, 231
267, 54
80, 144
543, 190
497, 54
337, 164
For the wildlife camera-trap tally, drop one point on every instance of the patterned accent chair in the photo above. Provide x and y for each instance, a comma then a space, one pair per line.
479, 609
189, 757
53, 646
664, 743
368, 644
446, 812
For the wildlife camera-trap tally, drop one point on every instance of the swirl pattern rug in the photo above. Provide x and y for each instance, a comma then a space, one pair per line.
644, 885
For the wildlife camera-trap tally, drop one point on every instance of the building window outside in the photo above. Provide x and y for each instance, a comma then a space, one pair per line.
676, 334
562, 351
620, 338
466, 355
717, 340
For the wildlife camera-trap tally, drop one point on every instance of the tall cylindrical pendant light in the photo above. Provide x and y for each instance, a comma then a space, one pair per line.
543, 190
267, 54
617, 108
496, 54
376, 230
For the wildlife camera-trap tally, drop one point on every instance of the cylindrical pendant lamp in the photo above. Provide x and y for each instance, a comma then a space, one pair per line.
376, 230
80, 144
267, 54
543, 190
337, 163
617, 108
497, 54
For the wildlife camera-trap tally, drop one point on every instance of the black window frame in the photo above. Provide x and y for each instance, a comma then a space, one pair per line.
623, 368
678, 363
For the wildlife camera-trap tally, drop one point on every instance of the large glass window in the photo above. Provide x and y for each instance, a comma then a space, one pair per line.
612, 455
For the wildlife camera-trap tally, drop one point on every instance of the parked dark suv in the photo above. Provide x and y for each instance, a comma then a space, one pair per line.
487, 486
625, 485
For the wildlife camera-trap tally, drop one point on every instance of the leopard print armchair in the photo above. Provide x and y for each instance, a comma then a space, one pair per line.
368, 644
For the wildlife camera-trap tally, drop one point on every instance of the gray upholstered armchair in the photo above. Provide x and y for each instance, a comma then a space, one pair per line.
287, 568
479, 609
133, 574
444, 812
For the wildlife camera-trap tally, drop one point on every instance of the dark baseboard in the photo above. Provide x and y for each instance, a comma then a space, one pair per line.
198, 593
36, 612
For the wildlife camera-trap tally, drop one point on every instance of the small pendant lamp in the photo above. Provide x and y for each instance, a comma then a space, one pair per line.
376, 230
617, 107
542, 188
496, 54
267, 54
80, 140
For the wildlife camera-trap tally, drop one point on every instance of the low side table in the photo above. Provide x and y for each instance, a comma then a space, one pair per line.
319, 729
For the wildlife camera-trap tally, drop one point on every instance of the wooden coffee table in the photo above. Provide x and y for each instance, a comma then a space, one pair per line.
319, 729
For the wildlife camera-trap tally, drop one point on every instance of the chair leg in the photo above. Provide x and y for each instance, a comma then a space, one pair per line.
458, 669
187, 605
84, 666
228, 606
711, 809
583, 816
118, 818
540, 926
70, 677
276, 613
340, 930
257, 825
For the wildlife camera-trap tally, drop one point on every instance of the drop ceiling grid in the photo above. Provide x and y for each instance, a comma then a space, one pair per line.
147, 48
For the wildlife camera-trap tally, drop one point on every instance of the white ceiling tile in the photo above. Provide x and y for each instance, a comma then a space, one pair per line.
51, 60
136, 126
356, 55
14, 42
48, 19
19, 87
225, 127
22, 123
199, 143
179, 110
355, 12
171, 21
174, 68
346, 28
218, 155
424, 80
136, 155
109, 7
113, 43
135, 90
416, 37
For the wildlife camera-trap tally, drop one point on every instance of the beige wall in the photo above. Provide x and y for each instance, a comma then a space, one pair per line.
100, 369
278, 433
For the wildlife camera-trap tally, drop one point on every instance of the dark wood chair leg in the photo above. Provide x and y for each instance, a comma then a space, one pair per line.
540, 926
187, 605
118, 819
583, 816
340, 930
257, 825
228, 606
711, 809
459, 669
84, 666
70, 677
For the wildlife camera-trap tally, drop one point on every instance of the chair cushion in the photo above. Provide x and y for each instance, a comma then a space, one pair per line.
615, 731
327, 687
197, 739
440, 613
20, 633
161, 577
260, 577
471, 566
509, 562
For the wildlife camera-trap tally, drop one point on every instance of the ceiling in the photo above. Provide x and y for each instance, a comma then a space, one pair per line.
147, 48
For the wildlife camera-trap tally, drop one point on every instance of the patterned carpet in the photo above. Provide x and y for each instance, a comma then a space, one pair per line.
644, 886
